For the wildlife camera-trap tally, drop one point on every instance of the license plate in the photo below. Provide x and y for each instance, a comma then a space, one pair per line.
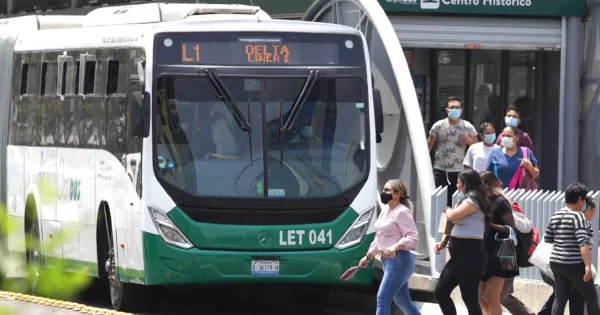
265, 268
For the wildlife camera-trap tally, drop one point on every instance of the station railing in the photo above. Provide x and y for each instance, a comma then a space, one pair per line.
538, 207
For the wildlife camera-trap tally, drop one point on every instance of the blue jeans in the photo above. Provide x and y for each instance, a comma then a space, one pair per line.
394, 285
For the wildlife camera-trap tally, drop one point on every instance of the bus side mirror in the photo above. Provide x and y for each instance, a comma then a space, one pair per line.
145, 114
378, 111
135, 123
139, 114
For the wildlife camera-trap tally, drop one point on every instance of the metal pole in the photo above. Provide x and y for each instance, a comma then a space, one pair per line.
9, 6
561, 101
572, 104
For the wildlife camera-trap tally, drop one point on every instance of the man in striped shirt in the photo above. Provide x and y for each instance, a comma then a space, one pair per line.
576, 302
570, 260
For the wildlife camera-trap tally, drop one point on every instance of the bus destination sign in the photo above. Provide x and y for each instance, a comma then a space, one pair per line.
202, 49
256, 53
253, 53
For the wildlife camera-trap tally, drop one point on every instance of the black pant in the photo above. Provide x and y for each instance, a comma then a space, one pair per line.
576, 304
568, 276
468, 260
442, 178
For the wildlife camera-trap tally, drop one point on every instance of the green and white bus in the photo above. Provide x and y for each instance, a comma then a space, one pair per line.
189, 144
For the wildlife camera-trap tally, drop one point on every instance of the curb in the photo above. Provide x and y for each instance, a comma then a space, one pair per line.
84, 309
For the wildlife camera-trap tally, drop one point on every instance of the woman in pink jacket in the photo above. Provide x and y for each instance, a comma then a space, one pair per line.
396, 235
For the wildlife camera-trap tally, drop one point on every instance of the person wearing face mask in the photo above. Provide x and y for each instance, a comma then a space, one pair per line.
306, 131
513, 119
451, 135
576, 301
395, 236
479, 155
514, 158
570, 260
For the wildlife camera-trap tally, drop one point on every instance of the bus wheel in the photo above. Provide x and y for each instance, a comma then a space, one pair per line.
33, 249
123, 296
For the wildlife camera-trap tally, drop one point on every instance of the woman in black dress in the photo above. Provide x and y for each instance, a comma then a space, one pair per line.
493, 278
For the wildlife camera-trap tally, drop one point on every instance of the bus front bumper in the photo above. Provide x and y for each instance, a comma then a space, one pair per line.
169, 265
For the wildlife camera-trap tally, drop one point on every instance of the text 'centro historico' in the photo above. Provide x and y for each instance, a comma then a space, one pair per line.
496, 7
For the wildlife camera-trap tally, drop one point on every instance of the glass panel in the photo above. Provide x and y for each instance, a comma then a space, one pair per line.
202, 150
451, 78
83, 3
36, 5
589, 148
485, 98
521, 87
349, 13
595, 71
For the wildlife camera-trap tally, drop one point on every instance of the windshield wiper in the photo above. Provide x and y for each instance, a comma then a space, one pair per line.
228, 100
249, 131
281, 133
300, 99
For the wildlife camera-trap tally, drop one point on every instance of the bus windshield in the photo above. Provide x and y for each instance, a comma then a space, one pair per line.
202, 149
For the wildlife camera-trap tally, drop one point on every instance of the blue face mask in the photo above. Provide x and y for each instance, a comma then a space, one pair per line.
584, 207
489, 138
306, 131
511, 121
454, 113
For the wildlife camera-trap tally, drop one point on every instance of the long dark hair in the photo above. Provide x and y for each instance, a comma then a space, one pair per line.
474, 189
492, 184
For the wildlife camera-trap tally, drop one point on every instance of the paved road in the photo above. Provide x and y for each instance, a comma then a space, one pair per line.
266, 299
241, 299
246, 299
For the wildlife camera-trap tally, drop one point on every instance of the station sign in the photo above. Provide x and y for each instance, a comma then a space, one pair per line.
488, 7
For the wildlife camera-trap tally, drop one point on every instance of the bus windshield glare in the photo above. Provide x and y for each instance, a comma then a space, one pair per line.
202, 148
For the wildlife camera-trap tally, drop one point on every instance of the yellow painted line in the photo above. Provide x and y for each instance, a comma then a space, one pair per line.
84, 309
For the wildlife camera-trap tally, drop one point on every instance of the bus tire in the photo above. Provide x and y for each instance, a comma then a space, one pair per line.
33, 245
124, 297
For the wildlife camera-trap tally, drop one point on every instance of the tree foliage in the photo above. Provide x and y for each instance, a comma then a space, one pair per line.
16, 275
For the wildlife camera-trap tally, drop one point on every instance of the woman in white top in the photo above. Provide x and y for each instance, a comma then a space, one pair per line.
479, 155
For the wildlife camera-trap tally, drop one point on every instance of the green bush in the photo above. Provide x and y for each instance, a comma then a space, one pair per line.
49, 282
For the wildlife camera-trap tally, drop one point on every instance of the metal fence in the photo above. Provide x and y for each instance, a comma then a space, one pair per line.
537, 205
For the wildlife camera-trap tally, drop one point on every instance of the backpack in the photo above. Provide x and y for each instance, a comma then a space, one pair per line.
527, 242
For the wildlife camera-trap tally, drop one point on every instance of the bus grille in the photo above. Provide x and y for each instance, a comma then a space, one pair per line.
262, 217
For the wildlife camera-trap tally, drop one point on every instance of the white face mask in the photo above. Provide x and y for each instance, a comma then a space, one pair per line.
508, 142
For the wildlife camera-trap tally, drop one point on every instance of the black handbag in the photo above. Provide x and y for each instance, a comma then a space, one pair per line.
506, 251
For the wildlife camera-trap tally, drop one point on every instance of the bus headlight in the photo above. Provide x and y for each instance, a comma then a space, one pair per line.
167, 229
355, 233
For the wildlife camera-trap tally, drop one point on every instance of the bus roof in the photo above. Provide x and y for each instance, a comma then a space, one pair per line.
255, 26
168, 12
133, 14
138, 35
